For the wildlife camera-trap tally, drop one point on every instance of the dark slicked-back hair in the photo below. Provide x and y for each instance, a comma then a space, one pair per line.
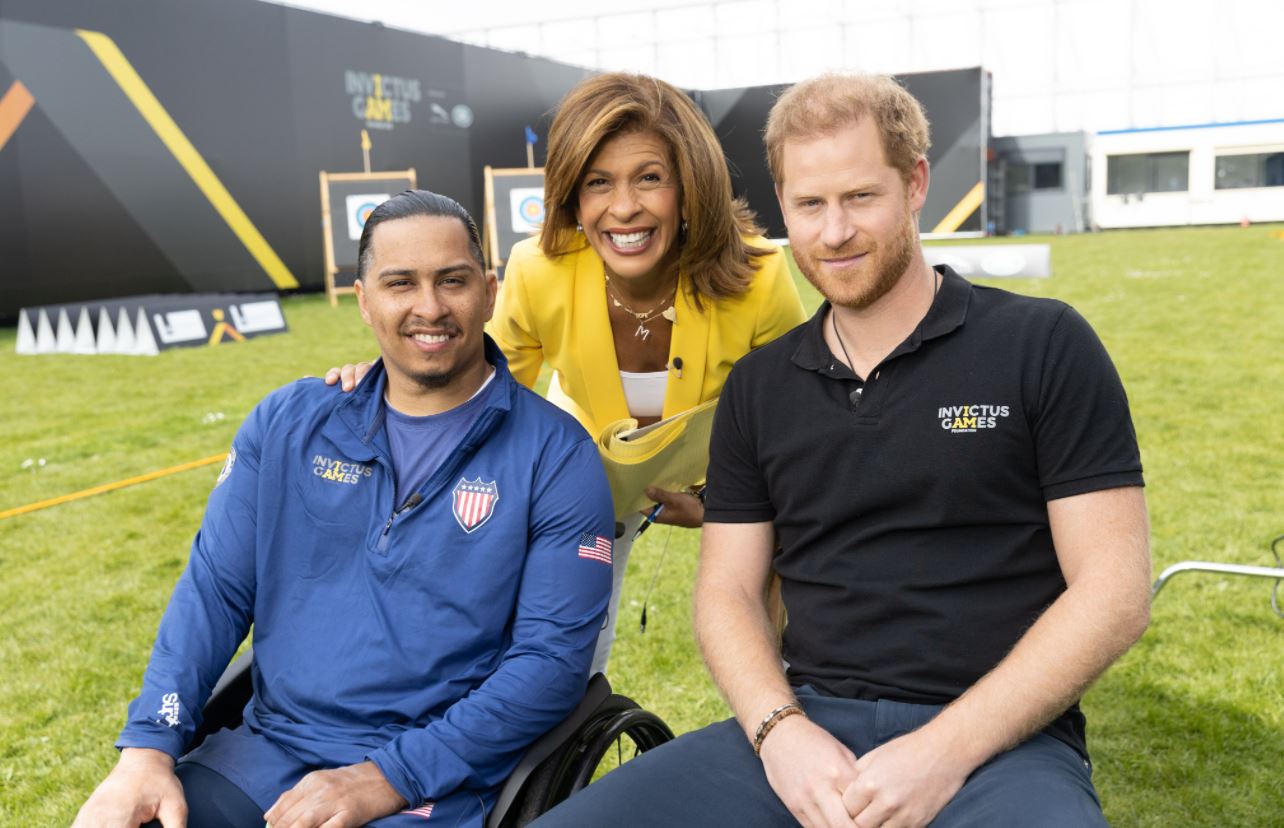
407, 204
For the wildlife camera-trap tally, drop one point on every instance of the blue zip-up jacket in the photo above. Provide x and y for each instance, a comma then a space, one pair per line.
437, 640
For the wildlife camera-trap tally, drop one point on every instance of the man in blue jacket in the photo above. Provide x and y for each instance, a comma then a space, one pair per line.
425, 564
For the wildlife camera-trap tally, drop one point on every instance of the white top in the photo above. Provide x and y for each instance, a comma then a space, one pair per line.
644, 392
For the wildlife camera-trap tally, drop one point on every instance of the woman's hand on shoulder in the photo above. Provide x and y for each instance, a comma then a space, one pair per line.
680, 508
348, 376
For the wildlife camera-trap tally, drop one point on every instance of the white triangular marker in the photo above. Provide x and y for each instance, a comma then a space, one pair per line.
144, 340
124, 333
26, 336
46, 342
106, 334
85, 333
66, 335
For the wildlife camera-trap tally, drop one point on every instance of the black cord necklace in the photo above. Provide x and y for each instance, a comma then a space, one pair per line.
833, 320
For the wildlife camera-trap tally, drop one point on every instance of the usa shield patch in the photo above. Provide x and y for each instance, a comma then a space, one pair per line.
473, 502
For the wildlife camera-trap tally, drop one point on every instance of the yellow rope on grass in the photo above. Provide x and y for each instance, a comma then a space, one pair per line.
111, 487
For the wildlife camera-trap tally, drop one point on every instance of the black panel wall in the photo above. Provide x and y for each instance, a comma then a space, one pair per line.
94, 205
268, 96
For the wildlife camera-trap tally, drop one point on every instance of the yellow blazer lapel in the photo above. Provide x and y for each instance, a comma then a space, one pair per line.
595, 350
690, 343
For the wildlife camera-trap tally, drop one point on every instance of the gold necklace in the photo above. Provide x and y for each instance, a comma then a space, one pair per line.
643, 317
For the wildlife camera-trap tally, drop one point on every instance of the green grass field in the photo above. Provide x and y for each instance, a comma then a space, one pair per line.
1188, 729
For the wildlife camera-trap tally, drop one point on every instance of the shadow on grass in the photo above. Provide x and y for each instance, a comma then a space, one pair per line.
1163, 757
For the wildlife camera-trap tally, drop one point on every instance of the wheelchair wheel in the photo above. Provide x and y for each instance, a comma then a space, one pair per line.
618, 731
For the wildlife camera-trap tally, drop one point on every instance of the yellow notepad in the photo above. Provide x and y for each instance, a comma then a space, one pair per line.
670, 454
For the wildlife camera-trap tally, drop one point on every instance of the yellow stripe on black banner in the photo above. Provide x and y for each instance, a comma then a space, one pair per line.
966, 207
136, 89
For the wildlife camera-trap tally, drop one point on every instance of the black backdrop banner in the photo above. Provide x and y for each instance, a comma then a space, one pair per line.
150, 147
175, 147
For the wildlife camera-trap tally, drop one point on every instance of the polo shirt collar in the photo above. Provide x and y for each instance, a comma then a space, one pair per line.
947, 314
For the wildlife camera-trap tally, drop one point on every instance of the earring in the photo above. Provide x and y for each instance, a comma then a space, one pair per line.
579, 228
684, 227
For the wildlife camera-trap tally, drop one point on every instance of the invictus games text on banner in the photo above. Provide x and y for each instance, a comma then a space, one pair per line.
381, 101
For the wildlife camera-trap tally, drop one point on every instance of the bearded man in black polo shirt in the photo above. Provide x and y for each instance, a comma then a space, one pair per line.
946, 479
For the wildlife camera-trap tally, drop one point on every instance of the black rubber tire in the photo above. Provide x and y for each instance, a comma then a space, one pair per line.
571, 768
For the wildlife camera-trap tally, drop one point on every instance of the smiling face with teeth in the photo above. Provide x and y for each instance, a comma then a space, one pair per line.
630, 207
427, 300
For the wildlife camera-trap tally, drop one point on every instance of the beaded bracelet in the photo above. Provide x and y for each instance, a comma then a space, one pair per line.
771, 720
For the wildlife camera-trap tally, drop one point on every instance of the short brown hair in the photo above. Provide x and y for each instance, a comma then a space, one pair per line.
829, 102
713, 252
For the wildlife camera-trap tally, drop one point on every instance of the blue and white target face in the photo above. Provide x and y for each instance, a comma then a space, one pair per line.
532, 209
359, 208
527, 209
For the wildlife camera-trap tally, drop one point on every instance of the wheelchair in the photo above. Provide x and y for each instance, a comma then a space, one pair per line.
555, 766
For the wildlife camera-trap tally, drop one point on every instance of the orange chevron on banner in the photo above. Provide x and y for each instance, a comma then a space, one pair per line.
14, 106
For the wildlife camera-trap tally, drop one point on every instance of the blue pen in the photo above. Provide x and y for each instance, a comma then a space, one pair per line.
647, 521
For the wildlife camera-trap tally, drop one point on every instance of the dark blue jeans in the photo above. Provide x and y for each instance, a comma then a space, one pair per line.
711, 777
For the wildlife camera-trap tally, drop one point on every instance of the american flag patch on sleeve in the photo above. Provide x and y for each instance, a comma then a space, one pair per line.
424, 810
595, 547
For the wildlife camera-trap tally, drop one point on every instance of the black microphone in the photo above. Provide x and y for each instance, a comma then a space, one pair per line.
854, 397
677, 365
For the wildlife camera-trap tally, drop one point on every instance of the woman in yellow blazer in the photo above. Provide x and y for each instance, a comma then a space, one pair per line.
648, 280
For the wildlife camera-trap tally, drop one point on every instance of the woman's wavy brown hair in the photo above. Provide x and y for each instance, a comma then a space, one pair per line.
712, 252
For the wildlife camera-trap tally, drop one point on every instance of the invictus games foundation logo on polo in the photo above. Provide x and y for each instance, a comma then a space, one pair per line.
965, 419
381, 101
340, 471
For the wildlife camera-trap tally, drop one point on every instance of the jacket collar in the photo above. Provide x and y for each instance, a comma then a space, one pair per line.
947, 313
356, 424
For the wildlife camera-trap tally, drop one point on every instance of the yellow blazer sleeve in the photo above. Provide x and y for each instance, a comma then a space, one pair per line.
781, 308
514, 327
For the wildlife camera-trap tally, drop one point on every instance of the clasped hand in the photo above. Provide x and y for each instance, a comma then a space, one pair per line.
901, 784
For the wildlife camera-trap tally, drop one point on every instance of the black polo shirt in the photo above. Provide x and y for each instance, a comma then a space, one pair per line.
912, 517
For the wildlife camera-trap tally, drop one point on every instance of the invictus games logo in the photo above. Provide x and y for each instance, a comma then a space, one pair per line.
340, 471
381, 101
964, 419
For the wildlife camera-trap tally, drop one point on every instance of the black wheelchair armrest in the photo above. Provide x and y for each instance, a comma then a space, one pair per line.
226, 705
599, 690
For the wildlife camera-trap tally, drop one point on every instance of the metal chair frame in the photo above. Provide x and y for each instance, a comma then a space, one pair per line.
1275, 572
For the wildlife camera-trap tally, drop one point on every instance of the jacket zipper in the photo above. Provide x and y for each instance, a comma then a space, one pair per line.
411, 502
483, 426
